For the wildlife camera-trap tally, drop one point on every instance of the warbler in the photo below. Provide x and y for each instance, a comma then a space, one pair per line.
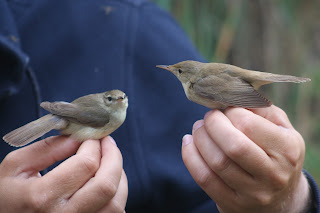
92, 116
218, 86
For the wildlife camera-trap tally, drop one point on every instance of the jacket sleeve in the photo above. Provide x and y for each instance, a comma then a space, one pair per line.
315, 194
12, 60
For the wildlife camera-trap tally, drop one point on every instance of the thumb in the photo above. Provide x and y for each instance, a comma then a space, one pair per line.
40, 155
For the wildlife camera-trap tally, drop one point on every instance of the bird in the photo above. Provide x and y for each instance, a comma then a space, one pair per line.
218, 85
93, 116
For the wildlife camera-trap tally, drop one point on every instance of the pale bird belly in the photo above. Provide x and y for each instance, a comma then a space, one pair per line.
83, 133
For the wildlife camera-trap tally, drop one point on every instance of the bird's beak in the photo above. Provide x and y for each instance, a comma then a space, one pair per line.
166, 67
119, 99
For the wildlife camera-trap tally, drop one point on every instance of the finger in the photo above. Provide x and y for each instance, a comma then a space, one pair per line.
64, 180
273, 114
211, 183
42, 154
273, 138
101, 188
231, 173
118, 203
236, 145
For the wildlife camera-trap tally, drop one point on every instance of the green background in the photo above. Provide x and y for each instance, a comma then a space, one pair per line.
274, 36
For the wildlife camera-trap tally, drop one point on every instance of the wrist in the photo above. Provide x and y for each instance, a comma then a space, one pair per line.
300, 199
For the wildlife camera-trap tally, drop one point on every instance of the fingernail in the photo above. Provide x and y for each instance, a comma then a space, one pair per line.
208, 114
197, 125
112, 140
187, 139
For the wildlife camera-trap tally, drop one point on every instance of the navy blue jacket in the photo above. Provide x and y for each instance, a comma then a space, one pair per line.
63, 49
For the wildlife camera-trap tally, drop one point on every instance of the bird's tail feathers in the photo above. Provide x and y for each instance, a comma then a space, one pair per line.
258, 79
285, 78
33, 130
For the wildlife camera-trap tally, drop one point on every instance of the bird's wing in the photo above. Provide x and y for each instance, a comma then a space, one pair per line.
94, 116
230, 91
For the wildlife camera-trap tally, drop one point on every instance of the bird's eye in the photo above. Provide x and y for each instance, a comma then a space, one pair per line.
109, 98
180, 71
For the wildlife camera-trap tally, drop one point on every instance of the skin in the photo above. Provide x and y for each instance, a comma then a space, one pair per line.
248, 160
92, 180
245, 160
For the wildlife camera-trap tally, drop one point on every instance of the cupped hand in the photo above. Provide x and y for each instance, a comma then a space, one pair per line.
92, 180
248, 160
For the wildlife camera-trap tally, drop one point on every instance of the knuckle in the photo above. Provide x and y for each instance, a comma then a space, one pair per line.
295, 152
47, 142
237, 149
293, 157
279, 181
89, 163
108, 189
263, 198
243, 124
38, 201
219, 163
203, 178
281, 113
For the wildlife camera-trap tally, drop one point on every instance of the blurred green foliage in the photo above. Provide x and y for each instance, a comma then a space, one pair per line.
274, 36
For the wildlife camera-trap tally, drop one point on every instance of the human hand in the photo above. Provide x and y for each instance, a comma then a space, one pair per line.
248, 160
92, 180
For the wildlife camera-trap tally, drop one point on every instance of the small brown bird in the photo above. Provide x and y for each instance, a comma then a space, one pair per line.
92, 116
218, 86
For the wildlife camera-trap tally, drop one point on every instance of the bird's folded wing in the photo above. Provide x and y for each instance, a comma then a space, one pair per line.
94, 115
230, 91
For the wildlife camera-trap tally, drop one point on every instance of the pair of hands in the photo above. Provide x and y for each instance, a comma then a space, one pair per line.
246, 161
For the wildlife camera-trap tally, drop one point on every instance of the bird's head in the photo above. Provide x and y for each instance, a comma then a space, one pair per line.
115, 99
183, 70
